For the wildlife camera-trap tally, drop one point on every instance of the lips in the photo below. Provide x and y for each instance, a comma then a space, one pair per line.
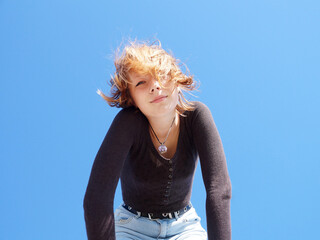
159, 99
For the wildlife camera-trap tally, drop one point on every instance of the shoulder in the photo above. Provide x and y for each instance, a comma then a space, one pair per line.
200, 107
128, 120
199, 118
128, 115
200, 111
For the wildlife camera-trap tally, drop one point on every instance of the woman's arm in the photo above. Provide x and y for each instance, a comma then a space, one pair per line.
104, 177
214, 172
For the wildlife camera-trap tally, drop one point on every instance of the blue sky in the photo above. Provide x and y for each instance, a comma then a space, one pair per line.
258, 67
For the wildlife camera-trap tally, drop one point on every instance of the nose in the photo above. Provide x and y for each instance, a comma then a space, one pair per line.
155, 86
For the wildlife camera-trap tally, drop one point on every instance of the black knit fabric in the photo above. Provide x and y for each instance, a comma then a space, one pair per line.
151, 183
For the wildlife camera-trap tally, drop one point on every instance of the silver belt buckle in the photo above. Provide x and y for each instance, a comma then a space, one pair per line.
150, 216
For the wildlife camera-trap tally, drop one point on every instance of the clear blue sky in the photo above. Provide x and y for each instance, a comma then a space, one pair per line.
259, 69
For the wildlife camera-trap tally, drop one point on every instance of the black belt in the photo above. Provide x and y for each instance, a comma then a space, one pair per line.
170, 215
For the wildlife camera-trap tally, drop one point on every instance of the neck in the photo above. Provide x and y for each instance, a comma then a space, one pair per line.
161, 125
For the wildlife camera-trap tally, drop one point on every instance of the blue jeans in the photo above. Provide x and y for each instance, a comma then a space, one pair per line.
130, 226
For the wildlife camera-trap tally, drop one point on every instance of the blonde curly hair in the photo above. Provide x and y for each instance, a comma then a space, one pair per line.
147, 59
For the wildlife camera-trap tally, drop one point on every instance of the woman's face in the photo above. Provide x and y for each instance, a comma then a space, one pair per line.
150, 97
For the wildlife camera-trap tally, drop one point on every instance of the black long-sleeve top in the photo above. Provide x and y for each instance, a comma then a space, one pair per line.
151, 183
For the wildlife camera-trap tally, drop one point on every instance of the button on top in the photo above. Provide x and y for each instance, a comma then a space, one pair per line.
170, 161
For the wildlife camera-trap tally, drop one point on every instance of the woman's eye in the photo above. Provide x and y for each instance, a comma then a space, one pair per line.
139, 83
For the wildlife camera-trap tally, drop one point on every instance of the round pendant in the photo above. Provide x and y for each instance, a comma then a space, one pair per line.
162, 149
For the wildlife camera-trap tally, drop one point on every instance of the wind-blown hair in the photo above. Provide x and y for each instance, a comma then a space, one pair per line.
147, 59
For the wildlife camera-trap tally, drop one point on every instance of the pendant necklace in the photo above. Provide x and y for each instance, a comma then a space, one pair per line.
163, 148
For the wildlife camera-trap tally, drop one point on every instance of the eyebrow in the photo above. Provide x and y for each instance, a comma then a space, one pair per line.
142, 77
136, 81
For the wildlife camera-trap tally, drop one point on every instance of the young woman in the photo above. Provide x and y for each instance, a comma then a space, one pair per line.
153, 145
